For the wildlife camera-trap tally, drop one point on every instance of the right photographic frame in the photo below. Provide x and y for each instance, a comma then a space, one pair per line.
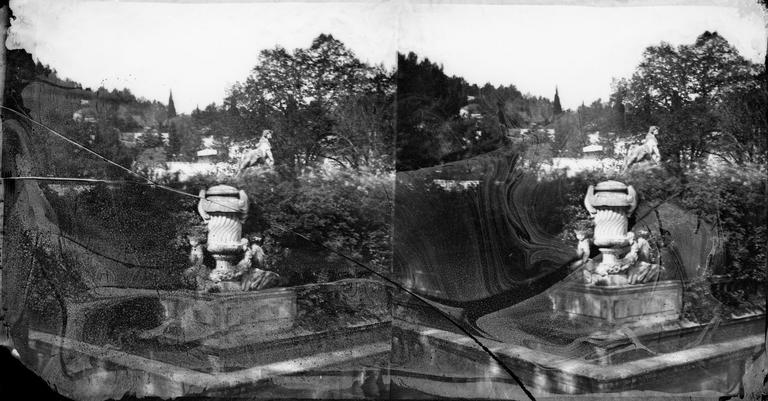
580, 200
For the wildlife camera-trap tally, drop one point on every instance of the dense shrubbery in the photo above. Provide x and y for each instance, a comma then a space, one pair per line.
430, 130
134, 224
301, 218
731, 199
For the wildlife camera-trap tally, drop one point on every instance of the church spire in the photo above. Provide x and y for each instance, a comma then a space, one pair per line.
557, 108
171, 106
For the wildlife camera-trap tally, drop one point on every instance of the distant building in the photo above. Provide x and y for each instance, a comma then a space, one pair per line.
471, 110
592, 151
207, 155
130, 139
86, 115
517, 132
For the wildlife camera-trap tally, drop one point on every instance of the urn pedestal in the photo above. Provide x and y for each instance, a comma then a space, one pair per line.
648, 303
227, 319
610, 255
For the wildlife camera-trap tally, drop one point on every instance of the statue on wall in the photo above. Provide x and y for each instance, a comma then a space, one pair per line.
196, 252
262, 155
582, 249
642, 268
197, 275
649, 149
251, 269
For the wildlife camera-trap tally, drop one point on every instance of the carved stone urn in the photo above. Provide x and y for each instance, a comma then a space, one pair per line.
224, 208
610, 203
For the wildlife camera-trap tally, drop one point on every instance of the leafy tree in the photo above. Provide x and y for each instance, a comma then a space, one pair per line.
184, 139
364, 129
430, 129
744, 123
598, 116
427, 100
616, 102
696, 94
569, 138
149, 159
151, 141
557, 109
306, 97
171, 106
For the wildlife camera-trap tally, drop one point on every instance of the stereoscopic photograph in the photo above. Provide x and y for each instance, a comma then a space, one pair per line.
513, 200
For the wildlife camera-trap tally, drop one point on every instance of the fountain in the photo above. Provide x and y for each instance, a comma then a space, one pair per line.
618, 290
611, 203
614, 324
224, 209
234, 299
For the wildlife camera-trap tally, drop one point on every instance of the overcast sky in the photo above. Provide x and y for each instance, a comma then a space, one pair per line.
199, 50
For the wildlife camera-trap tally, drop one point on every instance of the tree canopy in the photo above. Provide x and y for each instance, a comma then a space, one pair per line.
705, 97
431, 128
321, 102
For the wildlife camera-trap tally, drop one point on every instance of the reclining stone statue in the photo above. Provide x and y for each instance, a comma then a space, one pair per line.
637, 264
262, 155
197, 275
649, 149
250, 270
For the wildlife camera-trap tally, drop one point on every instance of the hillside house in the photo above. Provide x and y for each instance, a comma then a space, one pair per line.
471, 110
207, 155
592, 151
86, 115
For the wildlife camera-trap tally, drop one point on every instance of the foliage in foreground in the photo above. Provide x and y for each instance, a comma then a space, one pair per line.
304, 218
307, 221
730, 199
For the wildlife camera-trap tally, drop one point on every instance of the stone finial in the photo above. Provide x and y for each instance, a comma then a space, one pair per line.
610, 194
222, 199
